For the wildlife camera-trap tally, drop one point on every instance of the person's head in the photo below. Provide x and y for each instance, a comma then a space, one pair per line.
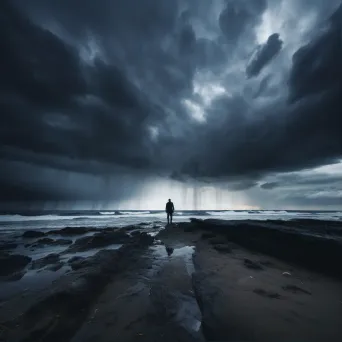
169, 200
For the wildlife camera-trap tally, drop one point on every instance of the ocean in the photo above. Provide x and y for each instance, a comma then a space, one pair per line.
49, 220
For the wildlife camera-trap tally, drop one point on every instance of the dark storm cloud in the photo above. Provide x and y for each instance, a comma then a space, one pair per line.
88, 86
317, 66
280, 137
35, 65
53, 103
238, 16
264, 54
263, 87
323, 181
320, 200
274, 142
269, 186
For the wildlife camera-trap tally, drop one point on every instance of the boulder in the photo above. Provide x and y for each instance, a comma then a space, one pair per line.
15, 276
55, 267
169, 250
76, 262
32, 234
58, 242
98, 240
196, 220
62, 309
12, 263
72, 231
8, 246
143, 239
47, 260
129, 228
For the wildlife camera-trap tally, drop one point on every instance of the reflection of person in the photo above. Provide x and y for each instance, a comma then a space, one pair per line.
169, 211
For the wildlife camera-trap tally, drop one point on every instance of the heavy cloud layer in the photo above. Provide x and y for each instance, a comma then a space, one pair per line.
223, 91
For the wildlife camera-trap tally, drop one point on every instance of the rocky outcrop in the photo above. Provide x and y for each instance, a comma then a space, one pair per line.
29, 234
283, 240
11, 263
52, 242
98, 240
63, 308
208, 299
8, 246
47, 260
70, 231
76, 262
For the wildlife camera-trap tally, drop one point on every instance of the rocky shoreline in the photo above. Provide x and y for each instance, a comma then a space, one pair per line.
198, 281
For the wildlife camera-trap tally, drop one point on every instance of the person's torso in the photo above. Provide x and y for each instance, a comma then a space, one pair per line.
169, 206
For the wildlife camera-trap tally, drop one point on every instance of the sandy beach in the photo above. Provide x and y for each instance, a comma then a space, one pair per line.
205, 280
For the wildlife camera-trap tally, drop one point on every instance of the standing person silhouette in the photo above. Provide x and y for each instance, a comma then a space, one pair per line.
169, 211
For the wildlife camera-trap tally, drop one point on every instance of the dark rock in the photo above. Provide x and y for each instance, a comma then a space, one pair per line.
76, 262
128, 228
295, 289
207, 235
214, 325
195, 220
55, 267
32, 234
143, 239
45, 241
268, 294
12, 263
63, 308
47, 260
72, 231
252, 264
8, 246
189, 227
169, 250
309, 247
223, 248
14, 276
98, 240
218, 240
108, 229
135, 233
51, 242
62, 242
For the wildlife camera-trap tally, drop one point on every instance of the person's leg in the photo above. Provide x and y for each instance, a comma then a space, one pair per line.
168, 218
171, 217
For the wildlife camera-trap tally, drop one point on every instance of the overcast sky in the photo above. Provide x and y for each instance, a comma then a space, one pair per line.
222, 104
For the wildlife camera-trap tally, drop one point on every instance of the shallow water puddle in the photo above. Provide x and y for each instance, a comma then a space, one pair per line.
188, 313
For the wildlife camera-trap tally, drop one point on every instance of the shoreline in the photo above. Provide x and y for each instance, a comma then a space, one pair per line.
201, 280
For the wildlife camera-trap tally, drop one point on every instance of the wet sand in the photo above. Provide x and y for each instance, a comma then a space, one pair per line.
191, 282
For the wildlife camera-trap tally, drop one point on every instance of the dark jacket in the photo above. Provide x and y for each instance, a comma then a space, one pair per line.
169, 207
